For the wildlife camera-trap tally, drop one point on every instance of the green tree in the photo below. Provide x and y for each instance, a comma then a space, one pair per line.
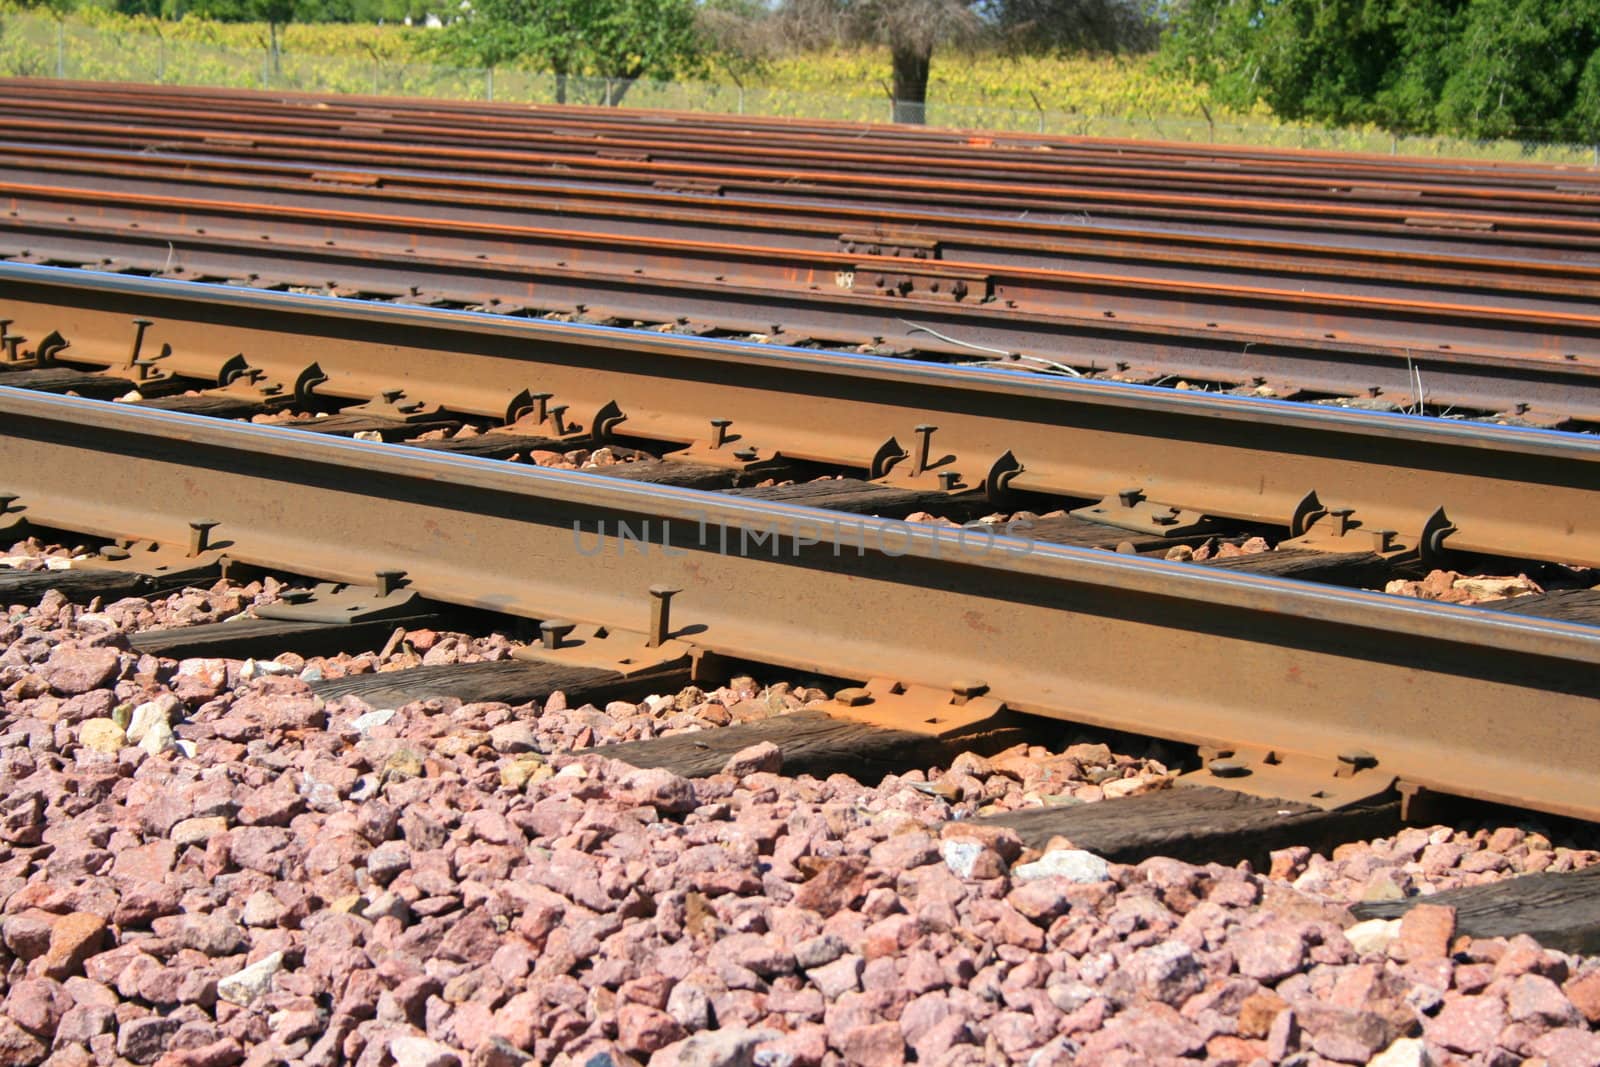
1483, 68
619, 40
58, 10
1527, 65
740, 37
275, 13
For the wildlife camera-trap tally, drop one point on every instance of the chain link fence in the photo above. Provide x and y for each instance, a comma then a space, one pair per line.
39, 47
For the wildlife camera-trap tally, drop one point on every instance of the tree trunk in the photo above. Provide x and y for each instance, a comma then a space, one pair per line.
911, 81
617, 87
561, 87
272, 32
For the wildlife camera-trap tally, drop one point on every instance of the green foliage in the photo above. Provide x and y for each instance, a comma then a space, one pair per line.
56, 9
1482, 68
615, 39
1525, 64
272, 12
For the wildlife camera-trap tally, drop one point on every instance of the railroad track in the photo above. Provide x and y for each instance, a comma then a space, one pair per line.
542, 545
948, 562
1363, 304
1270, 338
730, 405
1379, 492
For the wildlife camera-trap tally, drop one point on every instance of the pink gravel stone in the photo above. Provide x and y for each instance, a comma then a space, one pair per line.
70, 671
1569, 1047
878, 1045
657, 788
643, 1030
764, 757
1167, 972
1468, 1025
1269, 954
1584, 993
1534, 998
1426, 931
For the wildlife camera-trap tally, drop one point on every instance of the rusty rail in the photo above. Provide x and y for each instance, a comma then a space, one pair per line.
1492, 326
867, 148
1380, 481
834, 134
1249, 338
821, 180
1454, 699
913, 233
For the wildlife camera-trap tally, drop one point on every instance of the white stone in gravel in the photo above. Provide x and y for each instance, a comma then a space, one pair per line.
1373, 937
244, 986
1073, 864
311, 674
1406, 1052
187, 748
960, 855
148, 714
690, 1006
255, 667
158, 738
411, 1051
369, 721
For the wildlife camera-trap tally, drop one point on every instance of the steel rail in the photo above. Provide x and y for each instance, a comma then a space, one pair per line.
818, 181
498, 274
851, 158
1436, 231
1026, 239
1459, 700
1505, 491
1013, 242
1494, 326
834, 136
1529, 389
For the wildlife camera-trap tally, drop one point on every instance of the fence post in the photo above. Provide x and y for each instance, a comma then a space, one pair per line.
741, 111
61, 49
488, 83
376, 69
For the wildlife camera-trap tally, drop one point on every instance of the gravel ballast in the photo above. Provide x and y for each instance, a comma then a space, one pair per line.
204, 864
